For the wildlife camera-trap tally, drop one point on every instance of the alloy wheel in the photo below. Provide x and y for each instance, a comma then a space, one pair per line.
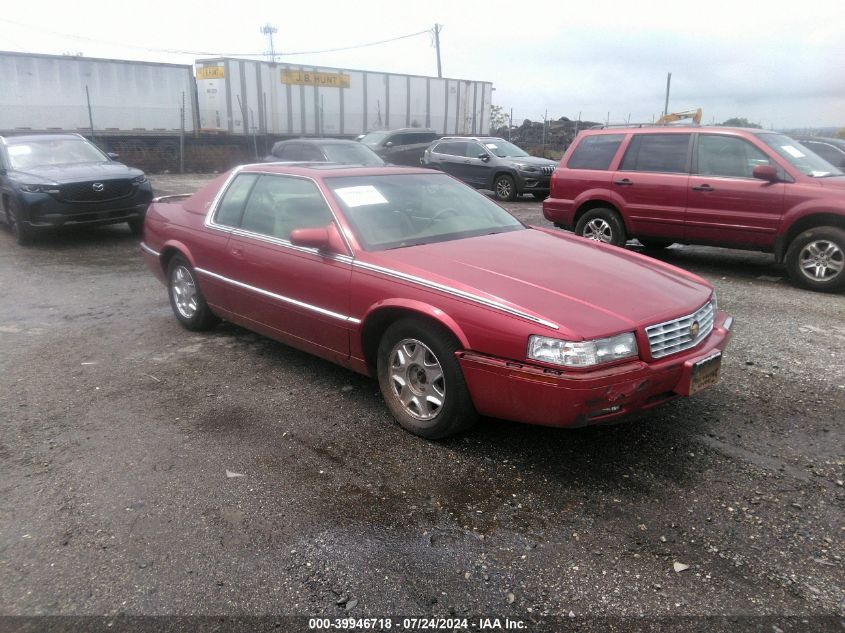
599, 230
503, 188
416, 379
821, 260
184, 290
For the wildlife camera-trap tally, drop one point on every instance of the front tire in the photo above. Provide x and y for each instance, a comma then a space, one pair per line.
421, 380
186, 299
23, 234
602, 225
815, 259
505, 188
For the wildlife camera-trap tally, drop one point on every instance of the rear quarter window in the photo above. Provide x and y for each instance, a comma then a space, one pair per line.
595, 152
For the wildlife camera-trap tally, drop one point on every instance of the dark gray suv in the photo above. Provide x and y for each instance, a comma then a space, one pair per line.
491, 163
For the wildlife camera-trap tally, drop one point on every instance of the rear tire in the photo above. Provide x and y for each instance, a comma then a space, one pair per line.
505, 188
23, 234
421, 380
186, 299
815, 259
652, 244
602, 225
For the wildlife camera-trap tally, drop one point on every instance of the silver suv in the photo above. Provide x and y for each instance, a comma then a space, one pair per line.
488, 162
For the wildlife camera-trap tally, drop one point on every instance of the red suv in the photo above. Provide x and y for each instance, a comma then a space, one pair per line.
738, 188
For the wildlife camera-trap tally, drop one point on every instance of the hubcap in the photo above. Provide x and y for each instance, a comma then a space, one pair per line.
821, 260
184, 291
503, 187
599, 230
416, 379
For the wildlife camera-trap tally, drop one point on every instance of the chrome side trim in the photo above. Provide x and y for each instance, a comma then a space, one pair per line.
282, 298
489, 303
146, 248
175, 196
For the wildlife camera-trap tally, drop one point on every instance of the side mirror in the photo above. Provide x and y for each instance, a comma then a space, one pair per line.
484, 157
389, 144
766, 172
324, 238
113, 156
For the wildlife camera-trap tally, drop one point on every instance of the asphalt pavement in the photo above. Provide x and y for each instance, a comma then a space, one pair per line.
148, 470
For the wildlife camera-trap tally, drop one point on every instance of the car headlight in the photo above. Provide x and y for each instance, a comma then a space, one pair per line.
523, 167
39, 188
139, 180
582, 353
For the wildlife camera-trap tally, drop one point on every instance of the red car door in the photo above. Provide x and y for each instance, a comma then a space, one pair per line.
726, 204
289, 292
652, 180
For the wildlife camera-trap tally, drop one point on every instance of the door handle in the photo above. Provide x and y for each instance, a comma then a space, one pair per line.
703, 188
624, 181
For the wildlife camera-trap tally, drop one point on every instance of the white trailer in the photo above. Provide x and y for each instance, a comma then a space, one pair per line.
52, 93
246, 97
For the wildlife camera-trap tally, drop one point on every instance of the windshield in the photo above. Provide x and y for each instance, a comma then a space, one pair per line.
503, 149
351, 154
374, 138
397, 210
803, 159
52, 152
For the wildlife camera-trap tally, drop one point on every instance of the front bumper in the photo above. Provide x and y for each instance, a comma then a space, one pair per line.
529, 393
531, 182
41, 211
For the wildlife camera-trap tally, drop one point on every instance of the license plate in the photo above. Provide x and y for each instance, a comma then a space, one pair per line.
705, 373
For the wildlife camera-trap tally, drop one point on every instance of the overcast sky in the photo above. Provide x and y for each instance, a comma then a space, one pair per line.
778, 63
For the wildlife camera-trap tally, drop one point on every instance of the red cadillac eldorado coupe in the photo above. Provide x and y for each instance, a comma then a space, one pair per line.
454, 305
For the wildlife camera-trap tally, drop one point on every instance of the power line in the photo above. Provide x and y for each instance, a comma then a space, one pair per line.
210, 53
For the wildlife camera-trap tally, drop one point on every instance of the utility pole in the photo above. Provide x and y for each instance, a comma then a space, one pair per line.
545, 118
668, 83
268, 30
510, 124
437, 28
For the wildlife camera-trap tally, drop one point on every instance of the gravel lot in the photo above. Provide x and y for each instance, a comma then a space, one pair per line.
118, 427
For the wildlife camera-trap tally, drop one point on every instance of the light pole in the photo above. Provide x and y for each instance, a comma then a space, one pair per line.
268, 30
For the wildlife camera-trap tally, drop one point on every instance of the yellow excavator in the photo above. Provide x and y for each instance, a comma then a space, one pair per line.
671, 117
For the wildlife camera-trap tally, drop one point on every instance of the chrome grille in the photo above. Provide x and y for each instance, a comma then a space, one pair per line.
548, 169
675, 336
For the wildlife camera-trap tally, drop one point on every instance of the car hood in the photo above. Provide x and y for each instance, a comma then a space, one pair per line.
75, 172
591, 290
833, 182
531, 160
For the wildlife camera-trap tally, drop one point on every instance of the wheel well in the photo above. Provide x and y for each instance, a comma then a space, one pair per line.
595, 204
502, 172
802, 224
378, 322
166, 255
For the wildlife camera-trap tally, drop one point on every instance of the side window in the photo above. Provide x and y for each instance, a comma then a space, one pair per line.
728, 156
835, 157
310, 152
665, 153
396, 139
290, 151
232, 205
595, 152
451, 148
280, 204
473, 150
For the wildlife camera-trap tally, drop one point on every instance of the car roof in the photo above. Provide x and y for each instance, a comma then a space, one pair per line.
29, 138
405, 129
319, 141
662, 129
326, 170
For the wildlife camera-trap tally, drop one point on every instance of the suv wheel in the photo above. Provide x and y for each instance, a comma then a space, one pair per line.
602, 225
23, 234
816, 259
505, 188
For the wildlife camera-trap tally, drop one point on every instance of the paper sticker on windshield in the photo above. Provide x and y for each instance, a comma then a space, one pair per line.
819, 174
491, 145
792, 151
360, 196
18, 150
